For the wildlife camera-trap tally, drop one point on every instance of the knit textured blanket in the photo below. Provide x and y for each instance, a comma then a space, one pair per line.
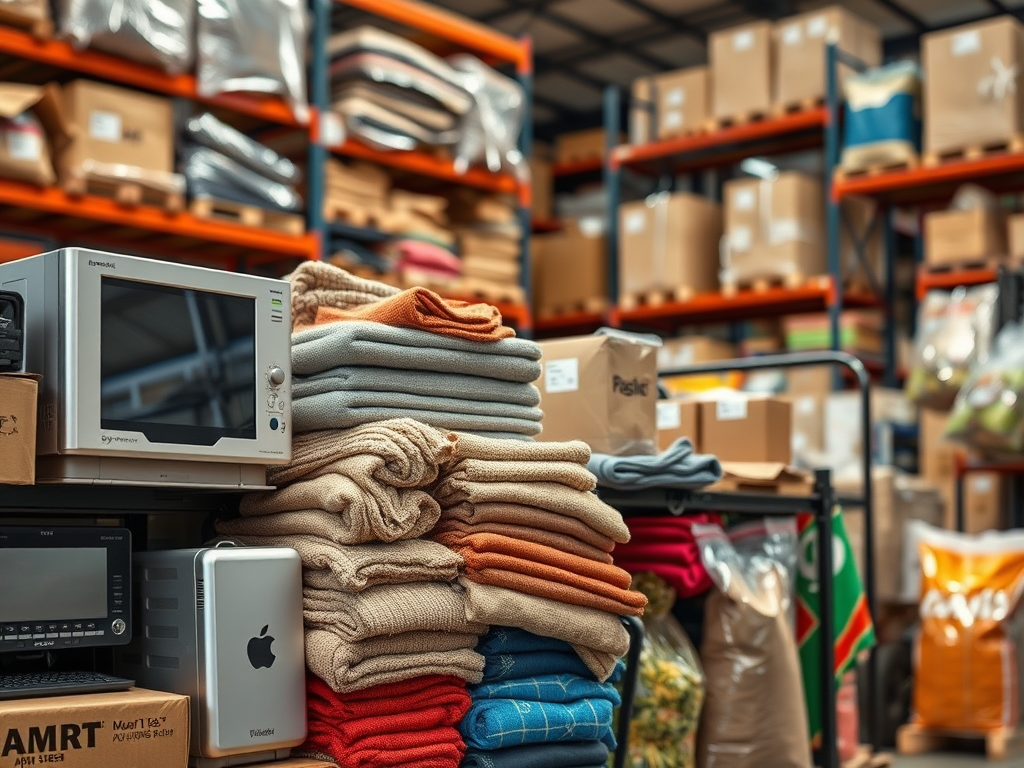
482, 471
319, 284
347, 666
597, 637
398, 724
402, 453
498, 723
341, 410
585, 754
678, 466
484, 449
354, 568
351, 378
483, 569
324, 347
556, 689
553, 497
526, 516
559, 541
514, 666
424, 309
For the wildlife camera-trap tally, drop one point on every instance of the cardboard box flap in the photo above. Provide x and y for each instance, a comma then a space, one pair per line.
44, 100
763, 472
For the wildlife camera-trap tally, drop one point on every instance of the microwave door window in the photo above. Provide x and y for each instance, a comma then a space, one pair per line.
177, 365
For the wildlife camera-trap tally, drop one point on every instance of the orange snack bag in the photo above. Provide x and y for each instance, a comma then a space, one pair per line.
967, 676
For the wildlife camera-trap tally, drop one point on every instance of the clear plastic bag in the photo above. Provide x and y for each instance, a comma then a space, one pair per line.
754, 712
989, 411
155, 32
254, 46
954, 333
207, 130
670, 686
211, 174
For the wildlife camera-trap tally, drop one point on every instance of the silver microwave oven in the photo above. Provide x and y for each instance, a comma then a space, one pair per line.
155, 372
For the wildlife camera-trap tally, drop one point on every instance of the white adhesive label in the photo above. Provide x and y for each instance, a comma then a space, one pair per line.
805, 405
817, 27
675, 97
673, 119
982, 484
590, 226
669, 415
791, 35
966, 43
24, 145
743, 41
332, 130
732, 409
740, 238
744, 200
562, 376
105, 126
636, 222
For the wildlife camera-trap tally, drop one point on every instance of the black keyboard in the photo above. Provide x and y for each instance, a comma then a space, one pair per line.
33, 684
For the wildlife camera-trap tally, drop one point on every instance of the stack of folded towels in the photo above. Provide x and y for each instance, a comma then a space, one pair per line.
446, 363
380, 606
536, 543
538, 706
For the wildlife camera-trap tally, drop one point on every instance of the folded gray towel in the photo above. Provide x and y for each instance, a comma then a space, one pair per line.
351, 378
341, 410
675, 467
328, 346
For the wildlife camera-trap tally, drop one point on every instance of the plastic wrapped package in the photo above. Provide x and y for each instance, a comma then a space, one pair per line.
155, 32
954, 333
254, 46
490, 131
211, 174
32, 130
883, 117
754, 713
670, 686
967, 674
989, 411
207, 130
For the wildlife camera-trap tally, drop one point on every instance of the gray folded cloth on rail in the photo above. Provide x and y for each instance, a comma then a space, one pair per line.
678, 466
352, 378
341, 410
328, 346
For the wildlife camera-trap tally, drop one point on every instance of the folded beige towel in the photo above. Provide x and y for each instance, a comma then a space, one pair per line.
389, 609
319, 284
482, 471
360, 566
522, 515
599, 638
399, 452
559, 541
345, 667
491, 449
554, 497
363, 510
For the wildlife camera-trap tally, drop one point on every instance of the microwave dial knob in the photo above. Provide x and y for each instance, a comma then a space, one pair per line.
117, 626
276, 376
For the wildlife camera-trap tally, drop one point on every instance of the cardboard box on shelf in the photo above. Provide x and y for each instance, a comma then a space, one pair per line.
747, 429
542, 190
800, 43
114, 125
570, 272
26, 13
669, 242
984, 502
690, 350
1015, 235
580, 145
741, 70
33, 130
937, 459
18, 402
678, 417
773, 229
954, 238
968, 100
674, 103
137, 727
602, 390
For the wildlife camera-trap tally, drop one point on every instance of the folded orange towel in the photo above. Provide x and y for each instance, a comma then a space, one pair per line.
533, 517
537, 535
424, 310
541, 586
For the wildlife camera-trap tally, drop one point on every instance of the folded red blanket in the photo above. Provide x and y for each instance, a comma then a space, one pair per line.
665, 546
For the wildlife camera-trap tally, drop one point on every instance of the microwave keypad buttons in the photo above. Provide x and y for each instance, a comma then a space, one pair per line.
276, 376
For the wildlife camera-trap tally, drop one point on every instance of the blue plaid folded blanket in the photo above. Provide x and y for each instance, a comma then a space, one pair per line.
513, 666
557, 689
497, 723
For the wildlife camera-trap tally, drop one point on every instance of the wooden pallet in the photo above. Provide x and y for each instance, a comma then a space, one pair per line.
127, 193
247, 215
1014, 143
745, 118
865, 758
989, 262
800, 105
907, 163
765, 284
999, 745
593, 306
358, 215
630, 301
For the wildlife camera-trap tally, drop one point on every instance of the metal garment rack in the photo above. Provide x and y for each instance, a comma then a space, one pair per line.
820, 503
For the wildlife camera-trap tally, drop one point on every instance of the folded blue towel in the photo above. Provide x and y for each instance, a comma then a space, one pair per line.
558, 689
512, 666
514, 640
675, 467
569, 755
497, 723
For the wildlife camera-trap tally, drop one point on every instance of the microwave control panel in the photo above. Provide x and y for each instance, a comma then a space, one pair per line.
276, 398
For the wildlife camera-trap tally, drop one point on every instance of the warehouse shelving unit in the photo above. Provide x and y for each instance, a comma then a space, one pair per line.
493, 47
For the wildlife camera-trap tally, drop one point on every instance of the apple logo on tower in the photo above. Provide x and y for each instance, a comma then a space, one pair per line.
260, 654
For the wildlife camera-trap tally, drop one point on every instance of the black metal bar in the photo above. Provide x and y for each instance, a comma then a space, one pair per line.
889, 262
680, 502
826, 612
317, 158
74, 500
613, 181
636, 642
960, 521
833, 219
525, 145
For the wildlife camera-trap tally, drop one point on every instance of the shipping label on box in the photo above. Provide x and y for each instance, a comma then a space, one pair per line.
18, 402
677, 418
